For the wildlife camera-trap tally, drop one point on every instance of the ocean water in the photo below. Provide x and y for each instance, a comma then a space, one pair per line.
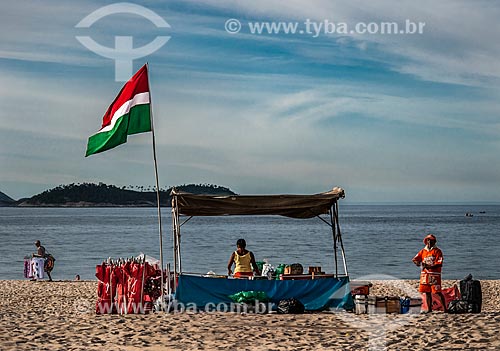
378, 239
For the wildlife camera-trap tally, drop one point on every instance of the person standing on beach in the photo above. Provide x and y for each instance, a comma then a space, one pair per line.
243, 260
431, 260
49, 260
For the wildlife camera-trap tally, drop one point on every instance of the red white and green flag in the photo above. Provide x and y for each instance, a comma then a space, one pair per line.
129, 114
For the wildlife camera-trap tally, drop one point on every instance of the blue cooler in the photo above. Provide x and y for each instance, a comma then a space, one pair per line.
411, 305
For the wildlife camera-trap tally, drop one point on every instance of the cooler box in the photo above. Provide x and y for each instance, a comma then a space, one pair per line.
411, 305
294, 269
376, 304
359, 287
314, 269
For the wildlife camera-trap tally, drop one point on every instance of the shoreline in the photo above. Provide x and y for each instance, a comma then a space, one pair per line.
60, 316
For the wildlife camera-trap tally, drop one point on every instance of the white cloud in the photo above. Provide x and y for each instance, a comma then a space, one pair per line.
459, 45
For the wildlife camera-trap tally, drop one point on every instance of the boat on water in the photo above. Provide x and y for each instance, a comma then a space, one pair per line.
317, 292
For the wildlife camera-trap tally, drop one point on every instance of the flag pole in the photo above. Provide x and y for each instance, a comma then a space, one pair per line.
157, 189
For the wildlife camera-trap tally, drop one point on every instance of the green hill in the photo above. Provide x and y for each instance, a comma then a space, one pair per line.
89, 194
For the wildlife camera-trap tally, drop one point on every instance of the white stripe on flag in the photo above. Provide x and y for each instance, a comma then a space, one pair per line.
139, 99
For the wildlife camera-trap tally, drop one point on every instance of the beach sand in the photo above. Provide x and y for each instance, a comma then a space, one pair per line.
60, 316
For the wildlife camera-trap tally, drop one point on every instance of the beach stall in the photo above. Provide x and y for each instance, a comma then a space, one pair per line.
316, 291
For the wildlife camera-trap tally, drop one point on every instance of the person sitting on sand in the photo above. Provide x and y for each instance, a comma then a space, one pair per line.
431, 259
49, 259
244, 260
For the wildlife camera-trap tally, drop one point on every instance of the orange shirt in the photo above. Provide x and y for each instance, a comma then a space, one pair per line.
432, 258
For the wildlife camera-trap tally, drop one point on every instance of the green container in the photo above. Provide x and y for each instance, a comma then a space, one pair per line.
280, 270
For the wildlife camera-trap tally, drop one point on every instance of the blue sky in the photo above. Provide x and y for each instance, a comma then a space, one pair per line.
386, 117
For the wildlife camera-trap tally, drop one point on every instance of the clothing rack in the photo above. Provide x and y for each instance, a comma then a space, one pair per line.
127, 286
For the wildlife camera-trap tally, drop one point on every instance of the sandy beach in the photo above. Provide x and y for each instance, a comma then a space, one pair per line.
60, 316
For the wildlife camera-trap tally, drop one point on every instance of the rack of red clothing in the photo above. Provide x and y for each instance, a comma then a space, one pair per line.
127, 286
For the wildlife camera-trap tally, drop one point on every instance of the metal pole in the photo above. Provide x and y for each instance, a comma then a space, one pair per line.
178, 239
157, 186
141, 308
332, 220
111, 287
174, 238
179, 242
124, 307
169, 291
340, 238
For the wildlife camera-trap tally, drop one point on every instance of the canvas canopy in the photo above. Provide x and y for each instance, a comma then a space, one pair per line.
294, 206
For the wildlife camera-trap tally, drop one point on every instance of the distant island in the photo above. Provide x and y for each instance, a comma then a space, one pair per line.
103, 195
6, 200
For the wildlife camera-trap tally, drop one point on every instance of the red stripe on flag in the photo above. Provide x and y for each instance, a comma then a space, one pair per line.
137, 84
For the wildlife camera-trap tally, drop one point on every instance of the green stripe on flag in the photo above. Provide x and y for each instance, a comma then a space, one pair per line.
136, 121
139, 119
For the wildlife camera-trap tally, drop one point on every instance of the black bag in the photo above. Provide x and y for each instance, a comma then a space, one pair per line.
470, 290
458, 306
292, 306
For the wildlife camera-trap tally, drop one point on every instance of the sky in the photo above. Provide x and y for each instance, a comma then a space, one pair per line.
388, 117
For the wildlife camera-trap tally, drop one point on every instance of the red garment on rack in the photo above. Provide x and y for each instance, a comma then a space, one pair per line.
121, 288
103, 295
106, 289
134, 272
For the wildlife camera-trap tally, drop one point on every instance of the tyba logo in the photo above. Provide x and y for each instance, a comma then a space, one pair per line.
123, 53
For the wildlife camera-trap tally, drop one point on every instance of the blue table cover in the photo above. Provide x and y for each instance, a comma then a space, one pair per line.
316, 295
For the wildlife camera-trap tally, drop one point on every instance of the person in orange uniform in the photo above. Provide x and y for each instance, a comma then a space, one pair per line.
244, 260
431, 260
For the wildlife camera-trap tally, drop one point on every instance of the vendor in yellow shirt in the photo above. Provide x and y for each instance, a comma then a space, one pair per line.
244, 260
